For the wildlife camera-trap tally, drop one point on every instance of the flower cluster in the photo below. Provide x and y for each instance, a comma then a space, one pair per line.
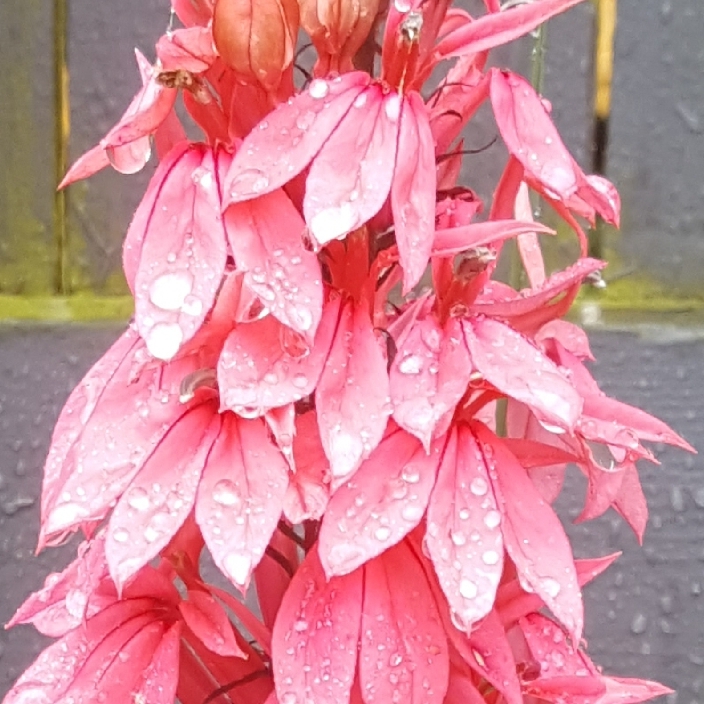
324, 386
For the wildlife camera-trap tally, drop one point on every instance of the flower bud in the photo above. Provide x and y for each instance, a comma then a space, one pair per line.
257, 38
338, 29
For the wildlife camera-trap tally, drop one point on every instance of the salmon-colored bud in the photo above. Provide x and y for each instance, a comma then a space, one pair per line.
338, 28
257, 38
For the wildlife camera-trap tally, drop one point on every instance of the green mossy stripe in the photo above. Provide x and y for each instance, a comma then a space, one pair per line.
66, 309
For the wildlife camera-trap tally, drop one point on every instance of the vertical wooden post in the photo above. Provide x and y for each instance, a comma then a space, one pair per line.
62, 128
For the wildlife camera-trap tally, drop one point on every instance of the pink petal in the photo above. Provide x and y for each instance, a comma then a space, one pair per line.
621, 690
160, 679
61, 605
130, 158
531, 136
55, 671
265, 236
108, 429
383, 502
287, 140
569, 335
461, 691
463, 535
86, 165
308, 492
533, 535
352, 396
403, 653
350, 178
495, 29
145, 113
189, 49
631, 503
428, 377
240, 496
193, 12
316, 635
210, 623
453, 240
518, 369
169, 133
413, 190
161, 496
182, 249
264, 365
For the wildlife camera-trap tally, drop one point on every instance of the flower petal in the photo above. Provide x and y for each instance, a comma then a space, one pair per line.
403, 654
533, 535
350, 178
352, 396
240, 496
383, 502
463, 535
265, 236
413, 190
161, 496
316, 634
287, 140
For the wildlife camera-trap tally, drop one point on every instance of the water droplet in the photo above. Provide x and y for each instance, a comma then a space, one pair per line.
382, 533
361, 100
225, 493
164, 340
392, 107
468, 589
412, 512
411, 364
76, 602
318, 88
458, 538
238, 567
492, 519
120, 535
300, 381
138, 499
169, 291
639, 624
402, 6
490, 557
479, 486
333, 223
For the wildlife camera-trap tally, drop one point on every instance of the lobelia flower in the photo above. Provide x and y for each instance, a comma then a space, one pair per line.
376, 463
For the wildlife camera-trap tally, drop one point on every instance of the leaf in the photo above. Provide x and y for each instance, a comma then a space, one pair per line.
506, 359
265, 236
264, 365
463, 535
240, 496
380, 504
316, 634
210, 623
413, 190
533, 535
403, 654
177, 242
428, 377
352, 395
161, 496
287, 140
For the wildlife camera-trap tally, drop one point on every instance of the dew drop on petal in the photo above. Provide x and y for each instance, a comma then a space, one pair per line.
411, 364
238, 566
412, 512
392, 107
333, 223
479, 486
76, 602
490, 557
402, 6
468, 589
225, 493
289, 698
551, 587
164, 340
492, 519
138, 499
120, 535
382, 533
318, 88
169, 291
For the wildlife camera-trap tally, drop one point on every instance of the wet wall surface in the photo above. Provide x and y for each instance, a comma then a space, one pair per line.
645, 616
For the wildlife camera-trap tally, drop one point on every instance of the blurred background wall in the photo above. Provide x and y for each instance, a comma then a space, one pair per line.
60, 261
